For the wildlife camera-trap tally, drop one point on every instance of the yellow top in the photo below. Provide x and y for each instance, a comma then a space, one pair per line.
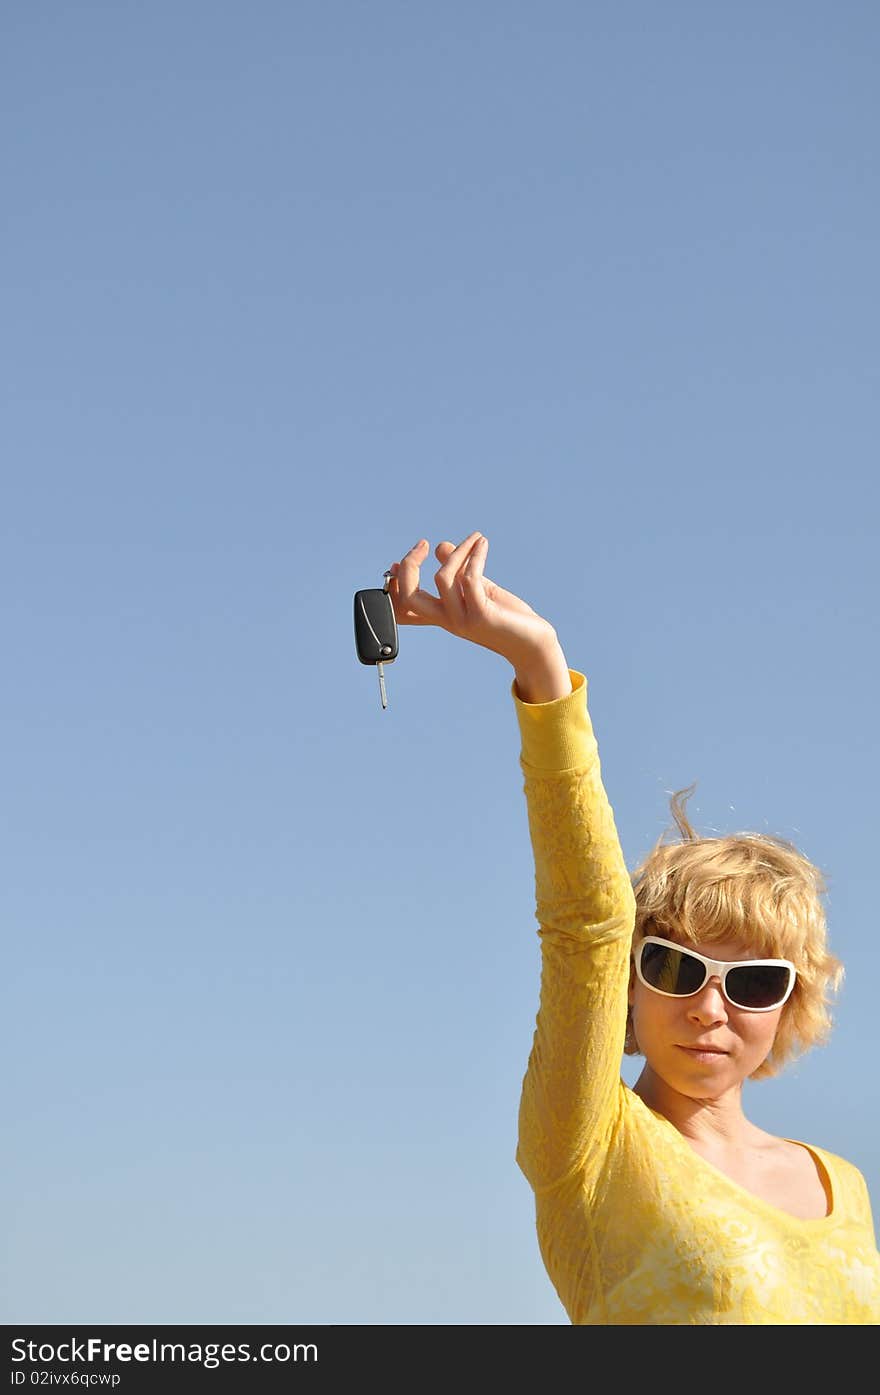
633, 1225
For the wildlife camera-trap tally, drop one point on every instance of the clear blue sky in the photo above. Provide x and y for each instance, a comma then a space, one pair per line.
286, 287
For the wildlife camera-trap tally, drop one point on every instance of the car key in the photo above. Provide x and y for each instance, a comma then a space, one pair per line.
375, 630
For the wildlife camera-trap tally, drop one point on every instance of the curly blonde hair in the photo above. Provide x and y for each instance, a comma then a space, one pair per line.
750, 887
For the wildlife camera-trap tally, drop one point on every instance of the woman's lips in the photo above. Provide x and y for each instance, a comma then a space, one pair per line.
703, 1052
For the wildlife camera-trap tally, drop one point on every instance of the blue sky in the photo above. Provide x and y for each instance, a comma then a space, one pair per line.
286, 287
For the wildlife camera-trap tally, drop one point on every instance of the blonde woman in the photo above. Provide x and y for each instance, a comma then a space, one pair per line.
661, 1204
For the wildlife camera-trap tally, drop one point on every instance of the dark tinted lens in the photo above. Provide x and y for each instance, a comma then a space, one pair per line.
757, 985
672, 970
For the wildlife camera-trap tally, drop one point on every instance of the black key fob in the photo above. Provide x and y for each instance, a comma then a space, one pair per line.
375, 630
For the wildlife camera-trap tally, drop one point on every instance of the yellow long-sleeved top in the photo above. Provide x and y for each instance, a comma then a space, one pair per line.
634, 1226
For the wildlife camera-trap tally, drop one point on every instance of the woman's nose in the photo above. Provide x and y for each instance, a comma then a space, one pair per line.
709, 1005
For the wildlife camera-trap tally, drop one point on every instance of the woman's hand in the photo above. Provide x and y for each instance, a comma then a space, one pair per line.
472, 607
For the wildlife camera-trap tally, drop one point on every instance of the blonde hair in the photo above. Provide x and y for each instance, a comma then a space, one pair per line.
753, 888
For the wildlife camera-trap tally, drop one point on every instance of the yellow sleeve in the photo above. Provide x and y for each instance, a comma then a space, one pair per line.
585, 910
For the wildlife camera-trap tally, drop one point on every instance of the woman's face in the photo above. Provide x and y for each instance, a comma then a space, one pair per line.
701, 1046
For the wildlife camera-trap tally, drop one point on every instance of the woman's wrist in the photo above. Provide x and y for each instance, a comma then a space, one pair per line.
542, 674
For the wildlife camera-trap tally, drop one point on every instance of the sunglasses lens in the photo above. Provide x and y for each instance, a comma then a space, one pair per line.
757, 985
671, 970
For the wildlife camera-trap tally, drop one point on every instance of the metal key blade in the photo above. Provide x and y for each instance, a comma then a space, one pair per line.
380, 668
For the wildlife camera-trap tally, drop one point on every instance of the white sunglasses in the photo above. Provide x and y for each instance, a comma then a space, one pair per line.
758, 985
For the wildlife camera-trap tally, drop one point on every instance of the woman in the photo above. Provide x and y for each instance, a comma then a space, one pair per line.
662, 1204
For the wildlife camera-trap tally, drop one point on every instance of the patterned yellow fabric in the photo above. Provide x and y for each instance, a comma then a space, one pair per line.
634, 1226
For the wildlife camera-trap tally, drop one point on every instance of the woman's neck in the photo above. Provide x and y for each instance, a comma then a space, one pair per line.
712, 1121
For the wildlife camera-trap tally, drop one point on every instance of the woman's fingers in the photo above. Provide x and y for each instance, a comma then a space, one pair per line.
472, 571
473, 581
459, 580
403, 617
412, 605
449, 578
473, 565
455, 558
